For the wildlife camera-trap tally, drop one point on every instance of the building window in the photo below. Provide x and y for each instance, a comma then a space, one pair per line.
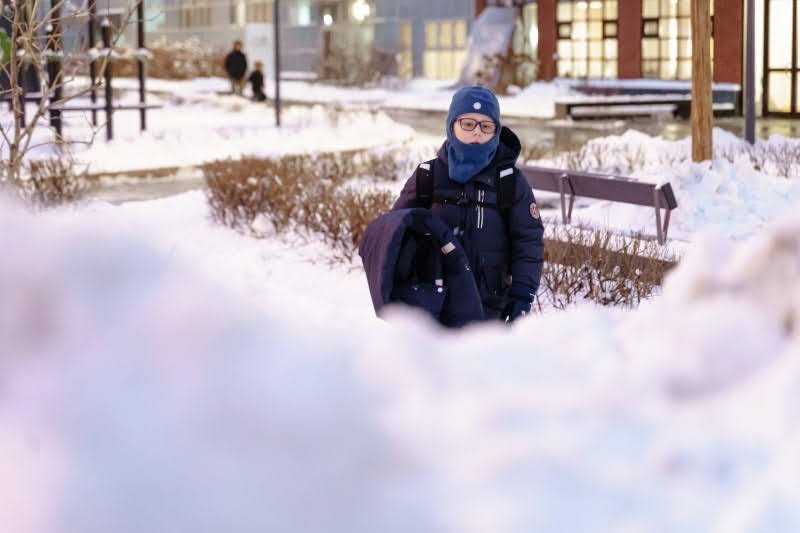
258, 11
405, 61
300, 13
587, 38
445, 48
667, 39
194, 13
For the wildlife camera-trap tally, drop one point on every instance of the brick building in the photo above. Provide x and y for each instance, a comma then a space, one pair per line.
631, 39
584, 39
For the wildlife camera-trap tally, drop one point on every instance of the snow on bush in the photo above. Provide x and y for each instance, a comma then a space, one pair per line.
139, 395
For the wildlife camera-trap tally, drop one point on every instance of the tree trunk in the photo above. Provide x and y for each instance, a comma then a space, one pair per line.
702, 110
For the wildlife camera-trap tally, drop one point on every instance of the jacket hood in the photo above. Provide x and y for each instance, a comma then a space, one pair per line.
507, 151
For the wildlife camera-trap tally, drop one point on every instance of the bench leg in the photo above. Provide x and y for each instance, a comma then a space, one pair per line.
657, 204
562, 193
571, 204
566, 211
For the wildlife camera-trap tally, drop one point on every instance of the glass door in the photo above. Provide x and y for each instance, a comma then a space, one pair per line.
781, 69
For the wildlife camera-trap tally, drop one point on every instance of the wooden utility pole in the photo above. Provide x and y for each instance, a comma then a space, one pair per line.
702, 108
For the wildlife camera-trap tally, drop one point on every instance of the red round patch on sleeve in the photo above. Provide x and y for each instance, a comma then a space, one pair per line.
534, 211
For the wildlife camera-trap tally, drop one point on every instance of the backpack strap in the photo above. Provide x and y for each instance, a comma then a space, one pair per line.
506, 188
424, 184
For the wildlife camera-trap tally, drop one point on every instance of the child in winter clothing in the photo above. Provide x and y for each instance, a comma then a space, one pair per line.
473, 174
256, 80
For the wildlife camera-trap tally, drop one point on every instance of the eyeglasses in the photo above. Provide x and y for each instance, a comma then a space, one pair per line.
468, 124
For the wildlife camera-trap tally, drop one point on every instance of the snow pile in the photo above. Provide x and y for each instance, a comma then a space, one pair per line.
728, 197
159, 374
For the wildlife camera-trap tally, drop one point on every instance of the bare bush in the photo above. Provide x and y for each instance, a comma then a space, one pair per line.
341, 215
534, 152
356, 65
601, 266
783, 157
52, 181
176, 61
309, 191
603, 157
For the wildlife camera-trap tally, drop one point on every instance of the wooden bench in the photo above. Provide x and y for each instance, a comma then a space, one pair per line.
572, 184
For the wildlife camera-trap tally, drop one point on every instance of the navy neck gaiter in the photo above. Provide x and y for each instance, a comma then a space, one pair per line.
466, 160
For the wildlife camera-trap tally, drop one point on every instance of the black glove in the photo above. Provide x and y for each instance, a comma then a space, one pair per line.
518, 304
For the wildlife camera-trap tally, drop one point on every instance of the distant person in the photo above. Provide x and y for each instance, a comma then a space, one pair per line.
256, 80
236, 67
474, 187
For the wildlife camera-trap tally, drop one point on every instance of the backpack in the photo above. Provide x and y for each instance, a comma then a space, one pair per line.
502, 200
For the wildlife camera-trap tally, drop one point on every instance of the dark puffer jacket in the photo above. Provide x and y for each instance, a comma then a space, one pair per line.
498, 255
411, 257
236, 64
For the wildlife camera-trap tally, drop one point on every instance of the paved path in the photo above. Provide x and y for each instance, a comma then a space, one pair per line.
561, 135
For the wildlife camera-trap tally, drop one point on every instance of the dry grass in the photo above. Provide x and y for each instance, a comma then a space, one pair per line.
601, 266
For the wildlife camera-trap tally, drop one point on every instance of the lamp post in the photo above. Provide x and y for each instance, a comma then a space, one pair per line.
750, 75
277, 69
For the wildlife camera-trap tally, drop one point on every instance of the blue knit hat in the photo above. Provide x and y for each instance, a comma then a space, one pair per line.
466, 160
473, 100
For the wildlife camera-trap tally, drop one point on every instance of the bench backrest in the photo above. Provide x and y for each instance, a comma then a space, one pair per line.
600, 186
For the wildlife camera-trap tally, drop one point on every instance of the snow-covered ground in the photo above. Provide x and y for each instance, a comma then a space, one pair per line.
195, 127
160, 373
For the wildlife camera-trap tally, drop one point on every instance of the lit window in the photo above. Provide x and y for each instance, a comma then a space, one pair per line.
587, 38
667, 39
444, 53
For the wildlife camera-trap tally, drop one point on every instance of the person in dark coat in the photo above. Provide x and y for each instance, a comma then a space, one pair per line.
236, 67
504, 243
256, 80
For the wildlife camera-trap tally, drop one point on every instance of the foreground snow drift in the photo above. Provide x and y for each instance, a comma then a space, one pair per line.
161, 374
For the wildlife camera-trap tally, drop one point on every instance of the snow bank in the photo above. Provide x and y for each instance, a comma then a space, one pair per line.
160, 374
191, 133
